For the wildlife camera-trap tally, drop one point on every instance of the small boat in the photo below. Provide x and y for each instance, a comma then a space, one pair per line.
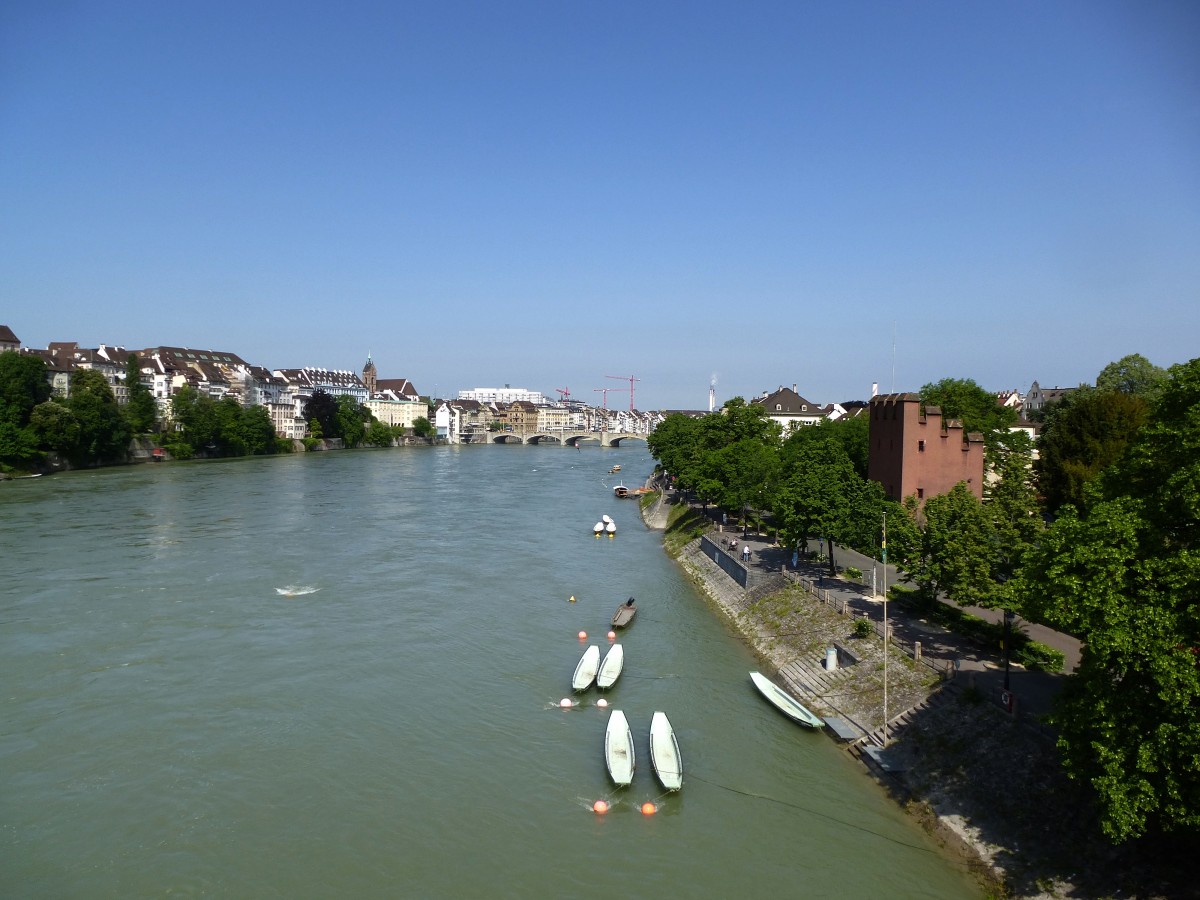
618, 748
620, 491
611, 528
664, 752
614, 470
785, 702
585, 672
625, 613
598, 529
610, 669
606, 519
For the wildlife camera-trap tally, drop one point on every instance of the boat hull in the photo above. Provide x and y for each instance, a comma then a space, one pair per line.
664, 753
785, 702
585, 671
624, 614
610, 668
618, 749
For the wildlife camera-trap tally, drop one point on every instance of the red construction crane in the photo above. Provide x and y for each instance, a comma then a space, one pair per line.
564, 394
631, 379
604, 391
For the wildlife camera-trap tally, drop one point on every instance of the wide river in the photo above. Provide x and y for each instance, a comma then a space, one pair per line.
339, 674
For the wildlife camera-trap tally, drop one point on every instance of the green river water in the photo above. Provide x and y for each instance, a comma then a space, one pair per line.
339, 674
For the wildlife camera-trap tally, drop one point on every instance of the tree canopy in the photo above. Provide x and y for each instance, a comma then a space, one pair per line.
1124, 574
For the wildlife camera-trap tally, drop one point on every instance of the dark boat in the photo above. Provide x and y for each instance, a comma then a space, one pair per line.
624, 614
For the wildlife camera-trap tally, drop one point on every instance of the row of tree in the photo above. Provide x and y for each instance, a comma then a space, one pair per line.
89, 426
1098, 538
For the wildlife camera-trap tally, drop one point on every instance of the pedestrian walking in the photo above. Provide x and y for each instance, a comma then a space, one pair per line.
746, 554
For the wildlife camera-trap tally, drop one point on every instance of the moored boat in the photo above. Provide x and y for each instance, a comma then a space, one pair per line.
625, 613
664, 752
618, 749
610, 668
785, 702
585, 671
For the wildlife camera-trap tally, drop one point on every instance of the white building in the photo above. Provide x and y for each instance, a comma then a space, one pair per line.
505, 394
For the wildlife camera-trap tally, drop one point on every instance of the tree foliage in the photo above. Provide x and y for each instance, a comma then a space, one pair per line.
23, 386
976, 408
321, 408
103, 432
1082, 437
1132, 374
1124, 575
140, 410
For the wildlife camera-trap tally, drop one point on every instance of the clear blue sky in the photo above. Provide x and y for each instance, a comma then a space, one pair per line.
544, 194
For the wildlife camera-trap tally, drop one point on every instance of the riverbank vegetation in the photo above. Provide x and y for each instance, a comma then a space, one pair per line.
1100, 538
89, 427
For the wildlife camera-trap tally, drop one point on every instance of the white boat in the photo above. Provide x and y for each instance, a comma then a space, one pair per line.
664, 752
611, 527
614, 661
606, 519
585, 672
785, 702
598, 529
618, 748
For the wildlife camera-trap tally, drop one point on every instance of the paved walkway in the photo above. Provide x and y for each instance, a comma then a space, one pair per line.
1031, 692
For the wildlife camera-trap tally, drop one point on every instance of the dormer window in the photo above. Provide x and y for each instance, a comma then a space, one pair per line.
778, 407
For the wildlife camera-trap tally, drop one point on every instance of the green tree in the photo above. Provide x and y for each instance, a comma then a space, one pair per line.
55, 426
1082, 437
423, 428
322, 408
743, 476
1124, 574
1132, 374
352, 419
675, 443
817, 495
23, 386
103, 433
958, 549
140, 411
976, 408
380, 435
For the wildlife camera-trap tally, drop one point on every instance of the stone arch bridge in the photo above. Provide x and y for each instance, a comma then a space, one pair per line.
565, 438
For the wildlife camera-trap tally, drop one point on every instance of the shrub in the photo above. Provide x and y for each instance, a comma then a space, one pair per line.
853, 573
1033, 655
863, 628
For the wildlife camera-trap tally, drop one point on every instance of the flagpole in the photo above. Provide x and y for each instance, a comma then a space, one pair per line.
885, 634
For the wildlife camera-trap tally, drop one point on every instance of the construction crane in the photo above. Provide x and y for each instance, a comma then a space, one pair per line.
631, 379
564, 394
604, 391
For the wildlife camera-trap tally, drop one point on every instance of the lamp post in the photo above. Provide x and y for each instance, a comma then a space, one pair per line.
1008, 617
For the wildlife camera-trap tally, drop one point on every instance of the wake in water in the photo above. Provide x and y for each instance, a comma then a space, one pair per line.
293, 590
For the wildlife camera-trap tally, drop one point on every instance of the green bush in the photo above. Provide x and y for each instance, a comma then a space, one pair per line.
853, 573
863, 628
1033, 655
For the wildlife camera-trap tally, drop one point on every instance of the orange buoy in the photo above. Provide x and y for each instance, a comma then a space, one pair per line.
649, 809
600, 806
583, 635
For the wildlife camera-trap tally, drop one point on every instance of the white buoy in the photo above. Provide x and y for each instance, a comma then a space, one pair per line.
606, 519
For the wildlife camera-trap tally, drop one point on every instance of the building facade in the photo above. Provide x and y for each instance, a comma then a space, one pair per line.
915, 453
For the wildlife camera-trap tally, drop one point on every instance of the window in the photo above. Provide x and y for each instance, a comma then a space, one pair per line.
920, 493
778, 407
920, 446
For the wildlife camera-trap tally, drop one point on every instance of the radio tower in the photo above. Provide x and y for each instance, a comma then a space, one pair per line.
712, 393
631, 379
